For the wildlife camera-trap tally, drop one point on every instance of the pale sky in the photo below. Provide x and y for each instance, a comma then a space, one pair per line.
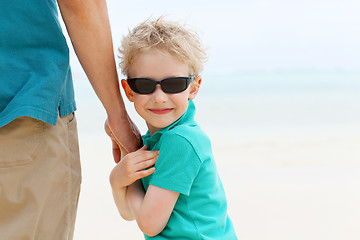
247, 35
259, 34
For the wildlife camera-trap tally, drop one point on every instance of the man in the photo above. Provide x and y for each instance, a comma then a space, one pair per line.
39, 161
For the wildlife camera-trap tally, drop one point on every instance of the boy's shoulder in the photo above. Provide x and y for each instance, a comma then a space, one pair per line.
189, 132
191, 135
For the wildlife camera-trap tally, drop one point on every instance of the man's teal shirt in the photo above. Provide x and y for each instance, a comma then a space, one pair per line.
186, 165
35, 76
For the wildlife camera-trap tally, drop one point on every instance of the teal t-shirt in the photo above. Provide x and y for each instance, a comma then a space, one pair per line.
35, 76
186, 165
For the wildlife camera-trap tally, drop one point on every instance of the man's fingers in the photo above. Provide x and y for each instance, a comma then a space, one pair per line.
111, 134
116, 152
124, 132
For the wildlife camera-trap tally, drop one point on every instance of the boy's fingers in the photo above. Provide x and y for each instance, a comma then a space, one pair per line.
145, 155
145, 173
145, 164
139, 151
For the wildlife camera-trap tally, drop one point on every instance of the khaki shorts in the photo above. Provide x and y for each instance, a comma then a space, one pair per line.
39, 179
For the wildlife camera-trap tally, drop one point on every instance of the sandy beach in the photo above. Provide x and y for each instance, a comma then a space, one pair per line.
284, 180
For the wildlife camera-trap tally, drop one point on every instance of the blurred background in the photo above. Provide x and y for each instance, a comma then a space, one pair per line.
279, 101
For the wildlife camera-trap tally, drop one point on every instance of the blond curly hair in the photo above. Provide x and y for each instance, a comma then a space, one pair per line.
172, 37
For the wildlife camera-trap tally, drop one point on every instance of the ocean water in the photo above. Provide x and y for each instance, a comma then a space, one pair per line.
280, 100
295, 98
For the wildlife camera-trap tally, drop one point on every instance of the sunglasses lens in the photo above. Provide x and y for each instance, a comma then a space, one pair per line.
174, 85
142, 86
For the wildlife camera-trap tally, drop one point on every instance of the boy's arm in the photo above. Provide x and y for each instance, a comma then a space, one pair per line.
152, 209
119, 196
129, 169
88, 26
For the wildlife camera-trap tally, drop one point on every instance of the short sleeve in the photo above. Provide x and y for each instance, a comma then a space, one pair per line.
177, 164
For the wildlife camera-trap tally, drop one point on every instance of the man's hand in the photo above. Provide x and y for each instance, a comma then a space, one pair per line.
124, 135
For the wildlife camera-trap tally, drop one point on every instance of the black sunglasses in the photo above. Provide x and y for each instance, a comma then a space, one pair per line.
168, 85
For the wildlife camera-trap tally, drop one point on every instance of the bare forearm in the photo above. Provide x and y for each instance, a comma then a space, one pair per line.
122, 204
88, 26
135, 199
151, 215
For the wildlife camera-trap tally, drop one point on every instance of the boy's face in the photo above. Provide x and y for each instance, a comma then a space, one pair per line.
160, 109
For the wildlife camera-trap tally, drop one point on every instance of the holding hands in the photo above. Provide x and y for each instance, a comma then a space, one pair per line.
124, 135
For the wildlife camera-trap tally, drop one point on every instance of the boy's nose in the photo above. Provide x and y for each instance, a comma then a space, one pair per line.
159, 95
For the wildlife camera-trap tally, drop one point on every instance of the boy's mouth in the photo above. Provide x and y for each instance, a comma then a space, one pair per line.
161, 110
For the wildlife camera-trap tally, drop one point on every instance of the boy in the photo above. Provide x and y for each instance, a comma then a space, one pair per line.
181, 197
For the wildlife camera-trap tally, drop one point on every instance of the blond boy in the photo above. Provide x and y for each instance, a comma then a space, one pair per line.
181, 197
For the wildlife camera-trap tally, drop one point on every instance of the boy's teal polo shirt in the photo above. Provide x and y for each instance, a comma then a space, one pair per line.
35, 76
186, 165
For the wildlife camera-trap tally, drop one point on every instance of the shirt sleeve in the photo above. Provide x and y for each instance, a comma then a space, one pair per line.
177, 165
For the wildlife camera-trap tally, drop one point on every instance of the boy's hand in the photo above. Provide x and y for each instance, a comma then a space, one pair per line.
131, 167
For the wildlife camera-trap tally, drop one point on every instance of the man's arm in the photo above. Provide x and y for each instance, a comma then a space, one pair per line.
152, 209
88, 26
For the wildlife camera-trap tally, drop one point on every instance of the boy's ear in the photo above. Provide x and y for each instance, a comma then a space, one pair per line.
129, 93
194, 87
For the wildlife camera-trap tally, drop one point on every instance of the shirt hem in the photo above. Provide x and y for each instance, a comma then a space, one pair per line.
36, 113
